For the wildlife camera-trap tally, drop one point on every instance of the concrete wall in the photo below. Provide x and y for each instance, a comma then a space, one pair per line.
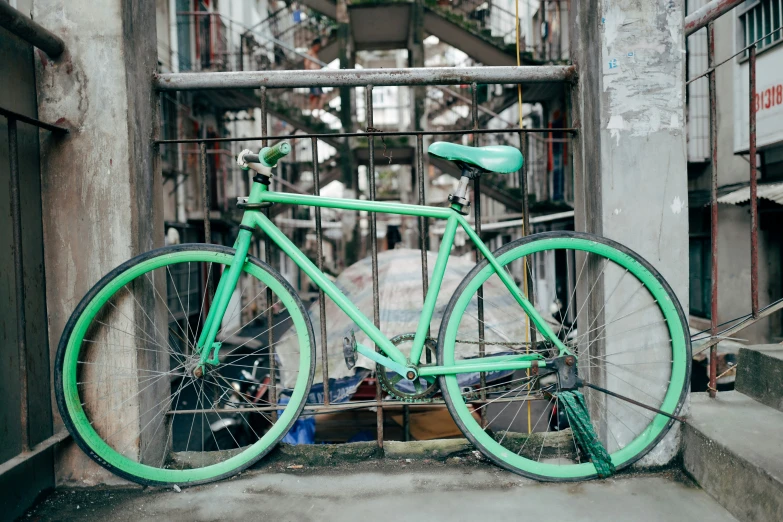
20, 486
100, 187
630, 156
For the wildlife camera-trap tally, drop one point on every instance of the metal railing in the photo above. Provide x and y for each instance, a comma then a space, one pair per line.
14, 119
369, 79
486, 16
287, 35
705, 17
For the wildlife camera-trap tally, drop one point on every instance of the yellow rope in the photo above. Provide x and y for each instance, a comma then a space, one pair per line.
524, 225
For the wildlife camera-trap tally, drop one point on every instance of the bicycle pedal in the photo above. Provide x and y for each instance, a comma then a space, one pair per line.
349, 350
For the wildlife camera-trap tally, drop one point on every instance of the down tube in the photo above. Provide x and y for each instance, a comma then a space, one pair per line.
328, 287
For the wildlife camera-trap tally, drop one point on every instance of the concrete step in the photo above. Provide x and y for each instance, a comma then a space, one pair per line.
732, 448
760, 374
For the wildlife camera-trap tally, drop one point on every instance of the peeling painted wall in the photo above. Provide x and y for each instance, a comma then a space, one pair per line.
643, 93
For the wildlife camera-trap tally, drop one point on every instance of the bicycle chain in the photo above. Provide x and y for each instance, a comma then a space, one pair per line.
432, 389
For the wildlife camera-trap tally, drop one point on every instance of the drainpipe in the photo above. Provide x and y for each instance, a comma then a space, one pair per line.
29, 31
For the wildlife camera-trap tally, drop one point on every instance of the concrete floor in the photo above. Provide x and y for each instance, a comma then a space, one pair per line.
391, 491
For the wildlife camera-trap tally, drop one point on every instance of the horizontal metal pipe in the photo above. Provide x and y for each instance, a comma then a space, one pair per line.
31, 121
333, 135
748, 321
39, 448
363, 77
353, 405
29, 31
707, 13
384, 207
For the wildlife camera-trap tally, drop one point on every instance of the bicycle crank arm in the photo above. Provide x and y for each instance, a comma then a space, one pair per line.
628, 399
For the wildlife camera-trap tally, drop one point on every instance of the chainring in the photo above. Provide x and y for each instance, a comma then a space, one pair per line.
390, 384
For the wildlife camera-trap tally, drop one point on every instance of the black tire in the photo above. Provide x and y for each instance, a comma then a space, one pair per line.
59, 358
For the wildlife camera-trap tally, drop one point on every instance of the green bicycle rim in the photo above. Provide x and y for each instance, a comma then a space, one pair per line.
77, 421
674, 394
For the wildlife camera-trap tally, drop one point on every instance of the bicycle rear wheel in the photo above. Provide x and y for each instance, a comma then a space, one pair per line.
125, 380
612, 309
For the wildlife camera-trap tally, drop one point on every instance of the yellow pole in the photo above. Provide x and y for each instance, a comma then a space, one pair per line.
524, 224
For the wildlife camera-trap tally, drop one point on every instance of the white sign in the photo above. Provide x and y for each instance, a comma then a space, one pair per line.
768, 100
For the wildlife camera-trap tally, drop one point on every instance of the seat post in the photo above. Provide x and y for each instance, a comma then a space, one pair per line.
460, 196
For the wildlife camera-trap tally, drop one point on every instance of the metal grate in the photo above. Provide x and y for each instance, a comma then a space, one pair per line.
760, 20
376, 83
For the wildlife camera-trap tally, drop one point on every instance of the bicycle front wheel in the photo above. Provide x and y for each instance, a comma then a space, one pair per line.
127, 383
614, 312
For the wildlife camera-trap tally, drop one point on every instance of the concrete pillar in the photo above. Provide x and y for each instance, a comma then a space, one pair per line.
630, 154
101, 189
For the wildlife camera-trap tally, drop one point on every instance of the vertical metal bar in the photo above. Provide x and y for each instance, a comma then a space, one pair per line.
425, 282
423, 229
713, 207
21, 320
477, 219
241, 53
406, 423
262, 90
269, 260
526, 230
319, 238
527, 271
205, 192
374, 253
754, 215
205, 197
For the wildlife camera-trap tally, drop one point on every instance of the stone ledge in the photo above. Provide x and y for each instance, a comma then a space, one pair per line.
731, 448
760, 374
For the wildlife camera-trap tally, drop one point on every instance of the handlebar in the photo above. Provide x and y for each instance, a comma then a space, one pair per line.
268, 156
271, 155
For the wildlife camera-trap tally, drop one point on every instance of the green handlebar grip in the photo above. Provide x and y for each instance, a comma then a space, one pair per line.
271, 155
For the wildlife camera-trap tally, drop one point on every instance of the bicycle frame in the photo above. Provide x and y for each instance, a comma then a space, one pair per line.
391, 356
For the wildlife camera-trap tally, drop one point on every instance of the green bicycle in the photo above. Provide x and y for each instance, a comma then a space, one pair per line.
143, 376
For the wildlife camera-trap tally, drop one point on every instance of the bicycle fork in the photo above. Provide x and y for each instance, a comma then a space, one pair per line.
207, 347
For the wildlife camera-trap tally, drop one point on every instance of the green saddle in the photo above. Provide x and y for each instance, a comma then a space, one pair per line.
494, 158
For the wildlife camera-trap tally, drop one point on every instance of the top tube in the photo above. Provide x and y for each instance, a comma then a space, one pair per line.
383, 207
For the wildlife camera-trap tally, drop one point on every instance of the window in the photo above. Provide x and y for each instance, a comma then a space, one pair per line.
698, 94
759, 20
700, 261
